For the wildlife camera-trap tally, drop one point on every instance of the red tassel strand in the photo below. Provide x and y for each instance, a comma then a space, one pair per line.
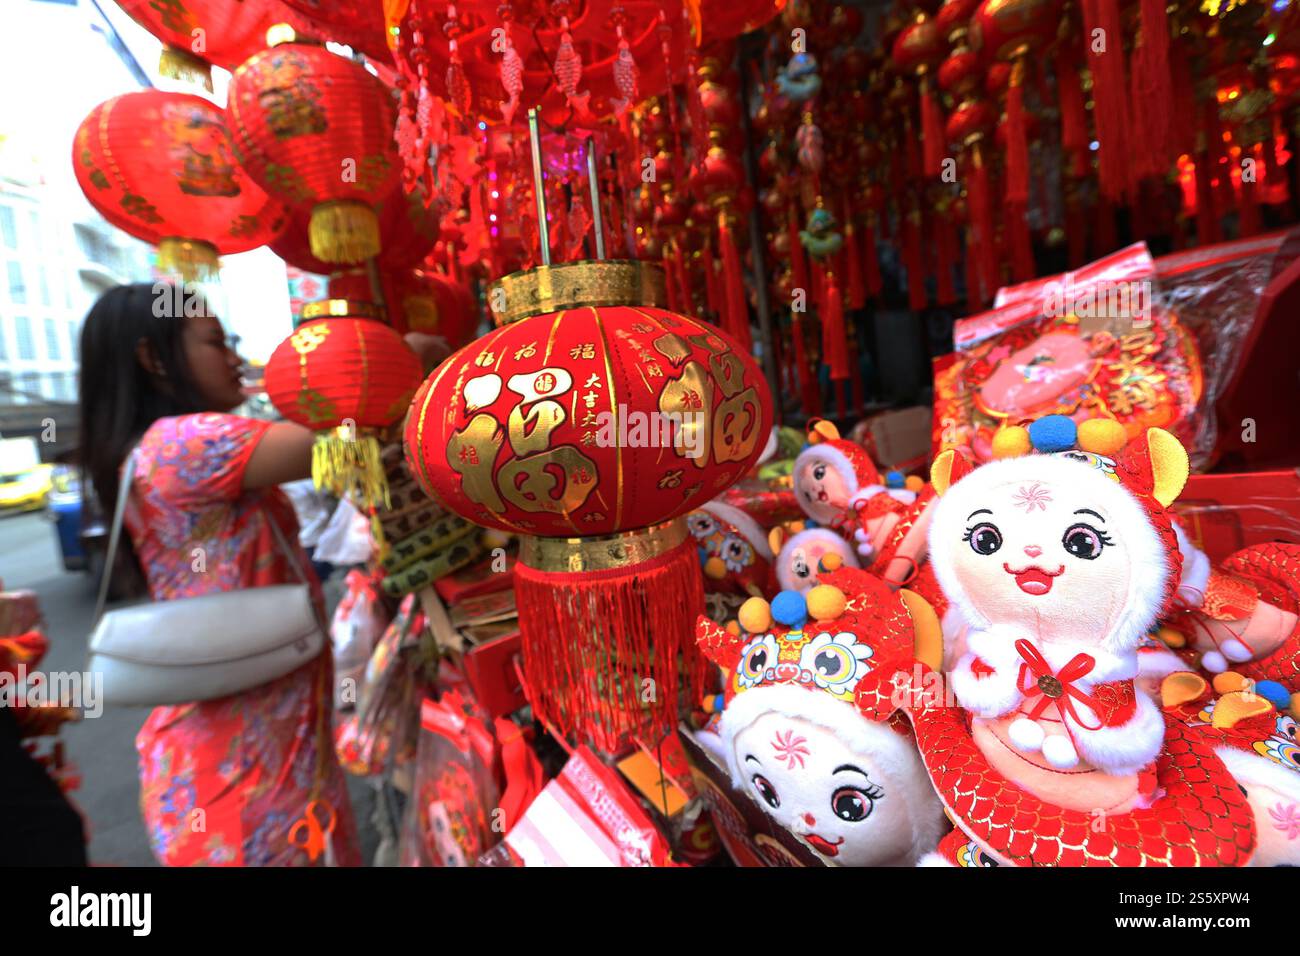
871, 263
835, 345
591, 639
734, 286
917, 299
1074, 119
1110, 94
1017, 139
945, 257
931, 130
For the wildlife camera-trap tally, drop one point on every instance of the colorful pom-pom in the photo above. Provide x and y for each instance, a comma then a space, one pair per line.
790, 608
914, 483
715, 568
1102, 436
755, 615
894, 479
1274, 693
825, 602
1230, 681
1053, 433
1171, 637
1011, 442
830, 561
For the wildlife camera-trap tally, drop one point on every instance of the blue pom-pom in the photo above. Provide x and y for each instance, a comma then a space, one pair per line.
895, 479
790, 608
1274, 693
1054, 433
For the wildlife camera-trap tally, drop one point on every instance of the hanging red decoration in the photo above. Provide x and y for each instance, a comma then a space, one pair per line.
317, 130
344, 374
918, 50
543, 427
162, 167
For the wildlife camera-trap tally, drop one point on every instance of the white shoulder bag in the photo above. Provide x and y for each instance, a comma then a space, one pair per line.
205, 647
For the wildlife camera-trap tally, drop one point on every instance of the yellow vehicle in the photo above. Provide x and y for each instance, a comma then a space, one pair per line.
24, 481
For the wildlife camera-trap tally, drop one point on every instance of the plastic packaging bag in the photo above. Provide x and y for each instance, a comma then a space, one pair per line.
346, 539
358, 624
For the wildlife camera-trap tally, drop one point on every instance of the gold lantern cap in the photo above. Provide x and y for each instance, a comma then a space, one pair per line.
339, 308
575, 285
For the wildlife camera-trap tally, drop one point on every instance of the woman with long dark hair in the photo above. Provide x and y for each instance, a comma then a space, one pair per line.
222, 781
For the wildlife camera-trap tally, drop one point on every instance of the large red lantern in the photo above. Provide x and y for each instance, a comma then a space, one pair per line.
162, 167
587, 422
346, 375
317, 130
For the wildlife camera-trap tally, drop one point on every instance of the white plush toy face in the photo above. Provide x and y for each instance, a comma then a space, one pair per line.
800, 557
834, 798
1047, 545
820, 489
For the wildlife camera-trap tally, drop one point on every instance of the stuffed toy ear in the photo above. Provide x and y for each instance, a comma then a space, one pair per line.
776, 538
1169, 466
927, 645
949, 468
717, 643
820, 430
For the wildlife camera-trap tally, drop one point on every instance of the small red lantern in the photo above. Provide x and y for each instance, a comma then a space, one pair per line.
344, 374
588, 422
417, 301
918, 50
162, 167
317, 130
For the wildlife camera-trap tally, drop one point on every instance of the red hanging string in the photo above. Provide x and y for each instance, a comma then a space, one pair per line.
931, 129
854, 288
1153, 86
1017, 139
1076, 232
981, 210
1110, 94
1022, 247
734, 286
798, 260
1074, 119
835, 346
974, 296
670, 282
683, 278
712, 294
807, 381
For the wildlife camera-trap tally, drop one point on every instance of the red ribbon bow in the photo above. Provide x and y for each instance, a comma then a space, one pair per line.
1036, 666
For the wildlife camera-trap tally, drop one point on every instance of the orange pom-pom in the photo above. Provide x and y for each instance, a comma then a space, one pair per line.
755, 615
914, 483
1011, 442
1102, 436
825, 603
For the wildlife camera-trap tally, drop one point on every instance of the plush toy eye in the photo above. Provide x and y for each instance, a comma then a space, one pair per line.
836, 661
984, 538
1084, 541
819, 472
702, 524
833, 662
799, 565
1091, 459
766, 790
851, 804
756, 659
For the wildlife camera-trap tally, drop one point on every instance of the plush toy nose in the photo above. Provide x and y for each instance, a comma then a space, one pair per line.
809, 819
1033, 550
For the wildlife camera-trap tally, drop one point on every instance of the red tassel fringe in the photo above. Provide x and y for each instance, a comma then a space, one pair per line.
917, 299
1017, 141
981, 211
734, 287
931, 130
591, 640
870, 263
945, 257
1074, 119
835, 344
1110, 93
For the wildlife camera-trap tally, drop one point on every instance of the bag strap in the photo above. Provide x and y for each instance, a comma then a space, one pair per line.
115, 532
115, 537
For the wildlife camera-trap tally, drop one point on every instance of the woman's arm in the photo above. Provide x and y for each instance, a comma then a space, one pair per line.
282, 454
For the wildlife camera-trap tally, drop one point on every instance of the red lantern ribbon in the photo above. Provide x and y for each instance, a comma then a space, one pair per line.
1036, 666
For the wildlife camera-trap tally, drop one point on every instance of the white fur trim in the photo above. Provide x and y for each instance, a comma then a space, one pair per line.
891, 751
742, 522
769, 449
934, 859
1158, 662
836, 459
1150, 562
1253, 768
1235, 651
903, 495
865, 494
1125, 748
991, 695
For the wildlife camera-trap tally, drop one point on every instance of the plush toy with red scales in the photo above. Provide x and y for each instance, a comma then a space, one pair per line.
812, 728
1060, 556
1257, 740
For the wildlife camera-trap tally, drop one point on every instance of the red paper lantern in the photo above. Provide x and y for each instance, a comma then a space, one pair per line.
317, 130
545, 427
162, 167
407, 233
417, 300
344, 374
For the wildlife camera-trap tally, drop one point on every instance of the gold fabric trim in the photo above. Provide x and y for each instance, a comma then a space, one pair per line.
570, 555
575, 285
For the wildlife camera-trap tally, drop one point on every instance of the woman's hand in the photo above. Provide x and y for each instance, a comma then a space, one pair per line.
282, 454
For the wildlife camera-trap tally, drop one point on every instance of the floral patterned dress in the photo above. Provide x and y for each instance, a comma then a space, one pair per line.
222, 782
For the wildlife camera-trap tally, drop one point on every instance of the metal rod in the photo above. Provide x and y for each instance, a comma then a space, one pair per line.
594, 182
543, 229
